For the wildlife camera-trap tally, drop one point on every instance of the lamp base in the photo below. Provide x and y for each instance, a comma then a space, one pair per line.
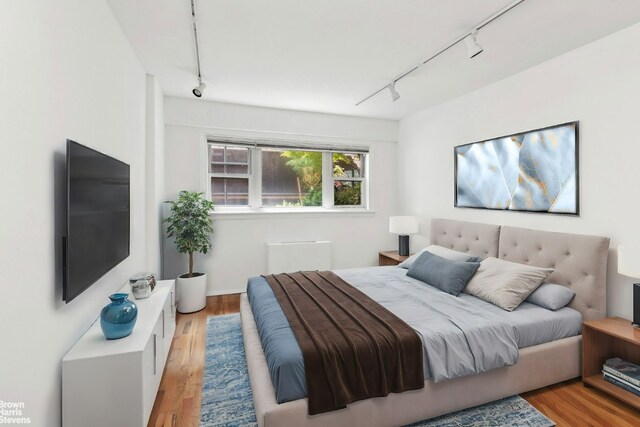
403, 246
636, 304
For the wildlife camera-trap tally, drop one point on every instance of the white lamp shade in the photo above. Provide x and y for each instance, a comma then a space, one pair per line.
629, 261
403, 225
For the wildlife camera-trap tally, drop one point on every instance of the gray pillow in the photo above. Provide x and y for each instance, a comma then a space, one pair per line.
504, 283
441, 252
447, 275
551, 296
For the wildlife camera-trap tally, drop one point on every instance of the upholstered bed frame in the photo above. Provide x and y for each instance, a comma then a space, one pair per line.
579, 262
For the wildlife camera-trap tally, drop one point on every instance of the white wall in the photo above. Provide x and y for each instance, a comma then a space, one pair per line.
67, 72
154, 173
239, 240
596, 84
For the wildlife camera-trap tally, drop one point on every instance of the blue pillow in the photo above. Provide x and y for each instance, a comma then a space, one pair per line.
446, 275
551, 296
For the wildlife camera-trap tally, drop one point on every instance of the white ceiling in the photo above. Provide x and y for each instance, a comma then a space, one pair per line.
326, 55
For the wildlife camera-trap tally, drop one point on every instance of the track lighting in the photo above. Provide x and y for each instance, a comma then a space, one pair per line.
197, 91
393, 92
201, 87
473, 48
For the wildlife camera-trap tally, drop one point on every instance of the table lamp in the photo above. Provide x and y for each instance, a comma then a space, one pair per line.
403, 226
629, 265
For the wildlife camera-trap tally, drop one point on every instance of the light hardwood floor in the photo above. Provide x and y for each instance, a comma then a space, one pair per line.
178, 400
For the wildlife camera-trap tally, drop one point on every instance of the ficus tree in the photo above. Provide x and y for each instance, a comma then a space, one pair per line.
190, 224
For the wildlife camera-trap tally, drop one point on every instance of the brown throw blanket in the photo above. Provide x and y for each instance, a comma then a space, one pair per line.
353, 348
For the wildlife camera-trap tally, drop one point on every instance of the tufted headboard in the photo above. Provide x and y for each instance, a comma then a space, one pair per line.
471, 237
579, 261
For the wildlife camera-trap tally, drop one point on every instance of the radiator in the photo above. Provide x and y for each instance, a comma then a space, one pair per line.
288, 257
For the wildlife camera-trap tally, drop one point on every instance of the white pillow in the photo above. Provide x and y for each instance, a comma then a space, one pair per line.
504, 283
442, 252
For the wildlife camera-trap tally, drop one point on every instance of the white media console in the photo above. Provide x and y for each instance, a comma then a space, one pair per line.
114, 383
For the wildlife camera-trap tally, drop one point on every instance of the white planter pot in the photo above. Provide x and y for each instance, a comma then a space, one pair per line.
192, 293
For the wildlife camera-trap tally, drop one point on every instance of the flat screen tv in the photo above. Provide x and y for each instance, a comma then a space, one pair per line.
98, 229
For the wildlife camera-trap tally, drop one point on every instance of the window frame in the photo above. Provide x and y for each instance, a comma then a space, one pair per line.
247, 175
363, 179
254, 175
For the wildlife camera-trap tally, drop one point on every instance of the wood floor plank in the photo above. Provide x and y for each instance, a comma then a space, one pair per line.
571, 403
177, 403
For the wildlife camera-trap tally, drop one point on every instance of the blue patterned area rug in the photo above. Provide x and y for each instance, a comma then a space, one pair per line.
227, 399
510, 411
226, 392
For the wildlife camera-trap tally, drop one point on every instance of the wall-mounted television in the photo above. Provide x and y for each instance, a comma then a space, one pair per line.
97, 217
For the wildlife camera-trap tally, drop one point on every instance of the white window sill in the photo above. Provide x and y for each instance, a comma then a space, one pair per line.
265, 213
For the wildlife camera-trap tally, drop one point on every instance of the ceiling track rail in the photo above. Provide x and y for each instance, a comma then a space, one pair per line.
195, 37
481, 24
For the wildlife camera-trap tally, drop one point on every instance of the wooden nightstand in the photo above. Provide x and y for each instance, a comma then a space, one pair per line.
603, 339
390, 258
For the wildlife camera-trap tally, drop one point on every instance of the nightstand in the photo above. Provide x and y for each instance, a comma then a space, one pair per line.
390, 258
603, 339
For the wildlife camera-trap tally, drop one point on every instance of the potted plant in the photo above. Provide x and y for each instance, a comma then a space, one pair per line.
191, 227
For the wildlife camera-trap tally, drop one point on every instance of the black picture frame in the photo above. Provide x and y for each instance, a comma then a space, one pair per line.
575, 124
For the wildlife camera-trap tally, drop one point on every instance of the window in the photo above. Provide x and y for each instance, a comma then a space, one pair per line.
229, 173
291, 178
274, 176
348, 173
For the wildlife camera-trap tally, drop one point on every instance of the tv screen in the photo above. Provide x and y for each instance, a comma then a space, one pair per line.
97, 237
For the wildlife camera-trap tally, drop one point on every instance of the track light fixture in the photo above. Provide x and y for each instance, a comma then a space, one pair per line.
393, 92
197, 91
473, 48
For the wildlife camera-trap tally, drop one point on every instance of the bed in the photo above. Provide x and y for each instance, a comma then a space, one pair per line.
579, 262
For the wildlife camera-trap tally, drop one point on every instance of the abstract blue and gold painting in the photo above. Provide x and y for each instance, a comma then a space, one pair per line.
535, 171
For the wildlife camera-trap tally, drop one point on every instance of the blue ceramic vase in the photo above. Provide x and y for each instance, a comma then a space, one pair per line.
118, 318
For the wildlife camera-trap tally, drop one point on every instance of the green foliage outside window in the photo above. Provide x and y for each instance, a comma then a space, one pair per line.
308, 166
347, 195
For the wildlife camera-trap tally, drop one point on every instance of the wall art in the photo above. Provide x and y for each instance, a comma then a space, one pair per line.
534, 171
